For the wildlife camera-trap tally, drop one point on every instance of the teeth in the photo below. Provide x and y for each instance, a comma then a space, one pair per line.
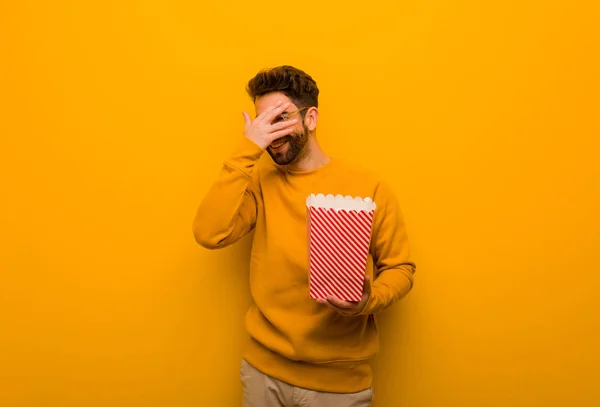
279, 144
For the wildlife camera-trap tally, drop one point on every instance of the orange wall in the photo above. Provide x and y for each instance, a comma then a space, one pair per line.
115, 117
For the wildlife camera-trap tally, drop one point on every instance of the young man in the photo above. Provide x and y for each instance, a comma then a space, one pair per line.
302, 352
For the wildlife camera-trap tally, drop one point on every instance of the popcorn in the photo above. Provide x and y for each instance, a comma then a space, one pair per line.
339, 235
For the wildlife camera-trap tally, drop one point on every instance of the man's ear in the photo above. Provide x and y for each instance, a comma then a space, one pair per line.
311, 118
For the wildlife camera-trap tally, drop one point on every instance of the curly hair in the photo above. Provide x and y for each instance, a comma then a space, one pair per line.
292, 82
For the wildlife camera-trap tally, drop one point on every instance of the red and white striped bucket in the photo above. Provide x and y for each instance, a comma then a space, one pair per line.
339, 235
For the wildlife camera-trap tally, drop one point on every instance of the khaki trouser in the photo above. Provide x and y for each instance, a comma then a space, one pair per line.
261, 390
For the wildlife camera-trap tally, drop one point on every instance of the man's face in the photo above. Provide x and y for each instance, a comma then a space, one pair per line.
285, 150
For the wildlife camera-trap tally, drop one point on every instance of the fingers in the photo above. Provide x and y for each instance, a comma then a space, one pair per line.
283, 125
280, 133
335, 303
262, 131
269, 114
340, 303
281, 129
325, 301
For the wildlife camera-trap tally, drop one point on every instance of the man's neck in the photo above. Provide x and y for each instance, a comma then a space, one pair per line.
312, 159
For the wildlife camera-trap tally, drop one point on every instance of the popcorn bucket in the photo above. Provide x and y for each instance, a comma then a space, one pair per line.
339, 235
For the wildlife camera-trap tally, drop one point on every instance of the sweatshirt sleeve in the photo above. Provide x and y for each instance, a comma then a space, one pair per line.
393, 271
228, 211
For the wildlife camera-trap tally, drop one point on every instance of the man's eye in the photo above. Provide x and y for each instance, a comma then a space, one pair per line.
280, 118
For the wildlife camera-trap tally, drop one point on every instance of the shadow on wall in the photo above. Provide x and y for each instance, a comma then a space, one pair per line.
231, 282
394, 330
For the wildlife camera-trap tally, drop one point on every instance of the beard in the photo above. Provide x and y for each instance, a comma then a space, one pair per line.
294, 148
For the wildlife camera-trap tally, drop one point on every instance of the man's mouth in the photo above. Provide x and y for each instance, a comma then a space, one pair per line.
279, 143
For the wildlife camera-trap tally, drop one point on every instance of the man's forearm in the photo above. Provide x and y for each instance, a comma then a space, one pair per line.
390, 286
228, 211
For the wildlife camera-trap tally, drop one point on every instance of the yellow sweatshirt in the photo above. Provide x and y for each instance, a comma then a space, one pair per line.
292, 337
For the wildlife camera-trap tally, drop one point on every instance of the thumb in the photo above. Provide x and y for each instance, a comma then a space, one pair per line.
247, 120
367, 285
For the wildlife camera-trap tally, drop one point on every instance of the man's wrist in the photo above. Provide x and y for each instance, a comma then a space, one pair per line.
368, 304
